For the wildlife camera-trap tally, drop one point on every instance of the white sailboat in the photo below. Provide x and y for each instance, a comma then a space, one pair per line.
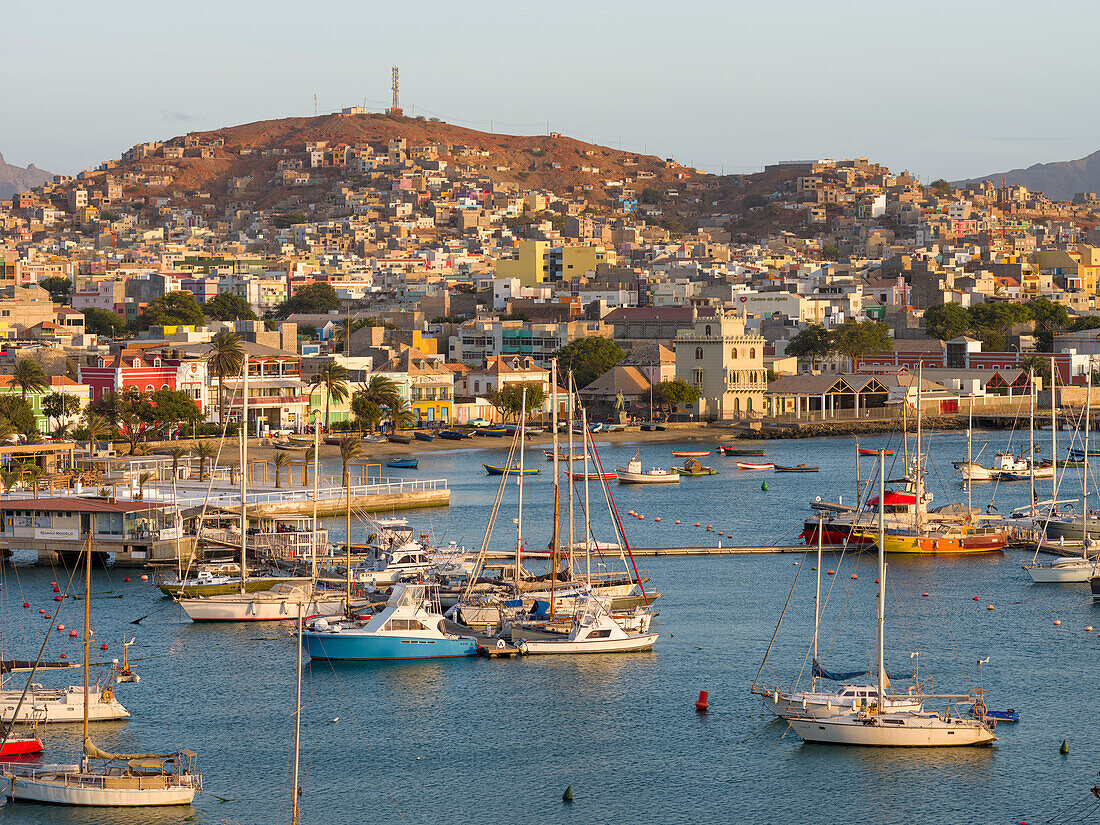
279, 602
845, 698
593, 629
877, 726
124, 780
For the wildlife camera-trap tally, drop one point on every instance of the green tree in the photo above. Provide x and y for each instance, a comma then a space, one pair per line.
226, 306
29, 376
813, 343
589, 358
60, 288
171, 309
105, 323
856, 339
509, 399
829, 252
1085, 322
333, 379
652, 195
143, 480
753, 201
946, 321
314, 298
226, 358
367, 402
95, 426
59, 405
281, 462
1050, 318
351, 448
206, 451
16, 416
171, 408
177, 452
942, 188
108, 407
400, 415
676, 393
289, 219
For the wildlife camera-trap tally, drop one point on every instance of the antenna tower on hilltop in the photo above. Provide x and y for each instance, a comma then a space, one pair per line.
396, 108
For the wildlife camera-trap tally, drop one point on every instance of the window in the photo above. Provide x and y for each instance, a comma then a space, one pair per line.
733, 353
708, 331
149, 388
698, 353
752, 352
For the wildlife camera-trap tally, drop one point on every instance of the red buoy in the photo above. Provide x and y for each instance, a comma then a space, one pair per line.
26, 605
709, 527
54, 584
876, 581
678, 521
103, 646
72, 633
831, 571
854, 576
40, 610
701, 703
60, 628
977, 598
63, 656
126, 579
925, 595
656, 518
57, 598
697, 524
57, 590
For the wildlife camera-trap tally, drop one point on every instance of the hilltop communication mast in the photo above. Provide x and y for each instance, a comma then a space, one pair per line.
396, 108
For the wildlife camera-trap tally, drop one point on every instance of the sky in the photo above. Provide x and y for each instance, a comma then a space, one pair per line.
944, 89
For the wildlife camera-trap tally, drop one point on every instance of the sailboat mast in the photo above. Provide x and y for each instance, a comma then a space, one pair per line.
571, 466
1031, 440
244, 473
316, 482
587, 512
519, 520
920, 479
347, 528
87, 627
881, 578
817, 596
1085, 471
857, 476
1053, 429
969, 458
557, 482
297, 725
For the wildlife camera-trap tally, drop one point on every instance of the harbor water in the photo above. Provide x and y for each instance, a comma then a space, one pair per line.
475, 740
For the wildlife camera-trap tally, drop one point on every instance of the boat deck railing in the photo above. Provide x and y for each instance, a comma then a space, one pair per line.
379, 487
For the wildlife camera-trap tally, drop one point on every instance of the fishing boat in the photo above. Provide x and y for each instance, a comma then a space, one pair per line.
593, 476
421, 436
652, 427
593, 629
403, 463
124, 780
288, 446
866, 451
740, 451
492, 432
396, 438
690, 453
514, 470
633, 474
745, 465
797, 468
562, 456
693, 467
452, 435
408, 627
301, 441
941, 539
208, 583
333, 440
1010, 715
876, 724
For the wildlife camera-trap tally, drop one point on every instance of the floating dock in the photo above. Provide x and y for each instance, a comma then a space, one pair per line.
732, 550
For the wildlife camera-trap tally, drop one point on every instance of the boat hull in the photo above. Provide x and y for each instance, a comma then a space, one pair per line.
941, 545
59, 705
879, 732
358, 647
1071, 529
60, 792
239, 610
635, 644
819, 706
744, 465
21, 746
1076, 573
251, 586
493, 470
626, 477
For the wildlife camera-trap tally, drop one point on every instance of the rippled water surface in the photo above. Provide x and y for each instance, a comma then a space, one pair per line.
498, 741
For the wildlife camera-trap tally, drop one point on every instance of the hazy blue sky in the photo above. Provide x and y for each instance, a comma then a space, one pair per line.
949, 89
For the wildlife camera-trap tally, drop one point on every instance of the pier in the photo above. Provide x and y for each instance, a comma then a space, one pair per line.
378, 495
732, 550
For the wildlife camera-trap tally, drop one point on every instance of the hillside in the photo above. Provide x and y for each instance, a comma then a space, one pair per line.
1059, 180
17, 179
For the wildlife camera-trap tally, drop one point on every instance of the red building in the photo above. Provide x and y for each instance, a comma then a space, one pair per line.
146, 372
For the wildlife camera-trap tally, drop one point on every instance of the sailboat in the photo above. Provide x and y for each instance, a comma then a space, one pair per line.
126, 780
876, 724
819, 703
276, 603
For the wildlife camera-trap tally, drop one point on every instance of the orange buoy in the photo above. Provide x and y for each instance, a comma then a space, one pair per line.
701, 703
721, 533
641, 517
854, 576
989, 607
1088, 629
145, 578
1057, 622
709, 527
72, 633
40, 610
925, 595
657, 518
831, 571
677, 521
54, 584
60, 628
697, 524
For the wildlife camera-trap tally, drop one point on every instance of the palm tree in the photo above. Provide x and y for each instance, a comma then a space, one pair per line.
226, 358
281, 461
29, 377
9, 479
310, 455
401, 415
177, 452
96, 426
61, 431
333, 378
143, 479
205, 451
351, 448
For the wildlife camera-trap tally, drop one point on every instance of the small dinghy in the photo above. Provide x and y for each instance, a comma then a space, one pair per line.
739, 451
798, 468
745, 465
423, 436
404, 463
690, 453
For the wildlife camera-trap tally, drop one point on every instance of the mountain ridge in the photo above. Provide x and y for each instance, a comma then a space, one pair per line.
1058, 180
14, 179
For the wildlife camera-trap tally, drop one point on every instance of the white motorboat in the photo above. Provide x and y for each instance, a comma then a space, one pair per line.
633, 474
386, 566
1068, 570
279, 604
593, 629
66, 704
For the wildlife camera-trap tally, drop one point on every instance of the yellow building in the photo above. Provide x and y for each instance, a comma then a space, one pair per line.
424, 382
539, 261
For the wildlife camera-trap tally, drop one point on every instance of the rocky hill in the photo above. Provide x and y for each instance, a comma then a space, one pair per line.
17, 179
1060, 180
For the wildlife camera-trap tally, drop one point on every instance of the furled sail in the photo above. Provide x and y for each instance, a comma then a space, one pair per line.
845, 676
92, 752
